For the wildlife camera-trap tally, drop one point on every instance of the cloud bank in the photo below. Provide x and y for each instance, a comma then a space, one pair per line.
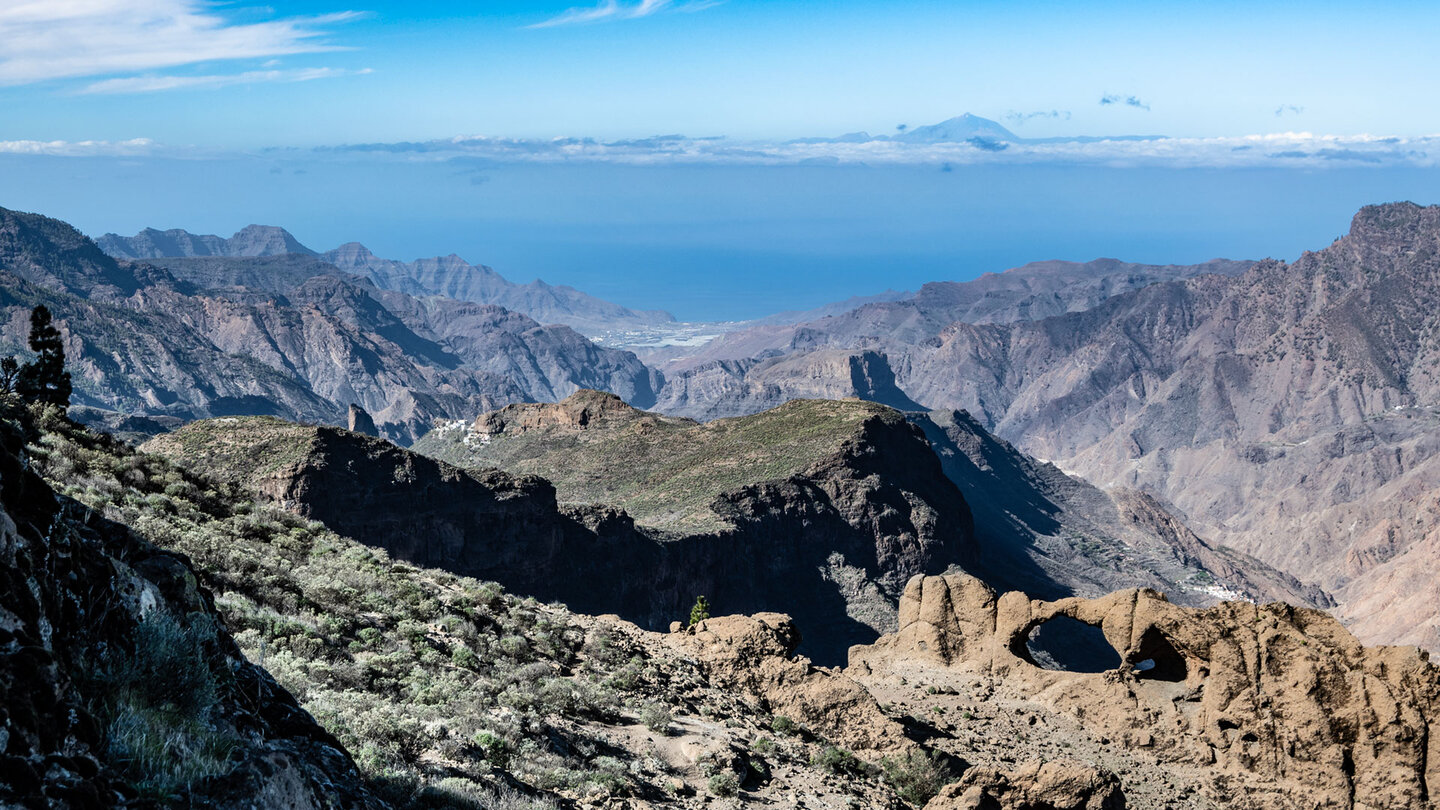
42, 40
137, 147
1284, 149
477, 152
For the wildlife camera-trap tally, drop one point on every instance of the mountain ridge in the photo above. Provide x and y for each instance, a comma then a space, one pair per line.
288, 335
449, 276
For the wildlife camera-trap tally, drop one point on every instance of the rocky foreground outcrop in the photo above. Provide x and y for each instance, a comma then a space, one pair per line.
755, 654
1271, 706
120, 686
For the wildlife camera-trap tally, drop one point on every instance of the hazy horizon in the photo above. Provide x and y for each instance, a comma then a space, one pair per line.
536, 137
712, 242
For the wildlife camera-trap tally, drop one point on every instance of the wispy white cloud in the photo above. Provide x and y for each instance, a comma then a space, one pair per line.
1288, 109
42, 40
608, 10
1023, 117
152, 84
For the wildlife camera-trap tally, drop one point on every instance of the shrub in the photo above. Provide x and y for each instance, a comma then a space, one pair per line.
723, 784
763, 745
835, 760
917, 777
784, 725
656, 717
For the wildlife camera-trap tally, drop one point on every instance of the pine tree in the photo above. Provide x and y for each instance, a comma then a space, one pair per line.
45, 379
9, 373
700, 612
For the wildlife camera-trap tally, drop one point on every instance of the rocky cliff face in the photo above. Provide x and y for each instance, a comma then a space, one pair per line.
1269, 706
832, 542
724, 388
121, 685
1052, 535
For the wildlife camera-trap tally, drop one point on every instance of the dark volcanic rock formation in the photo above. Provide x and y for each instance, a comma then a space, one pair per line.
361, 422
832, 543
119, 683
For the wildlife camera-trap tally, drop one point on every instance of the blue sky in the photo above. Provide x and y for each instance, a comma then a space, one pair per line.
322, 72
517, 134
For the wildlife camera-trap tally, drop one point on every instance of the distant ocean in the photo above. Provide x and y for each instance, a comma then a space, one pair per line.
718, 242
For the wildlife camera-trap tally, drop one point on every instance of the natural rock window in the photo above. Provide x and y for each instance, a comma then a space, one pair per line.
1067, 644
1157, 659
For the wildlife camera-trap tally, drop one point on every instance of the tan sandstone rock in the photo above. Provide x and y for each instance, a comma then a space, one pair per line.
1281, 706
754, 654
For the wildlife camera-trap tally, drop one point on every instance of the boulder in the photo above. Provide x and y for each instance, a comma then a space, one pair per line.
1056, 785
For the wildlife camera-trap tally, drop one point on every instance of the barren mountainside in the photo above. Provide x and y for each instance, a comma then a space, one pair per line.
1028, 293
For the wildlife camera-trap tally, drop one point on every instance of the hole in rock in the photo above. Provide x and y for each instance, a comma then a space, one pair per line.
1158, 658
1070, 645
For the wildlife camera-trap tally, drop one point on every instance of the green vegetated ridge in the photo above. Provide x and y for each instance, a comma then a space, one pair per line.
664, 471
446, 690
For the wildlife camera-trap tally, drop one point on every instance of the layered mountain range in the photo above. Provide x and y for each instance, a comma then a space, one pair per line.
1246, 433
287, 335
449, 276
1280, 411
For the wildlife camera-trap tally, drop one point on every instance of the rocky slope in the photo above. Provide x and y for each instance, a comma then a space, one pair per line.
821, 510
1053, 535
451, 693
1286, 412
121, 685
287, 335
446, 276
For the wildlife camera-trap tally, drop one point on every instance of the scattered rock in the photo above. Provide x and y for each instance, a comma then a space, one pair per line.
1055, 785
